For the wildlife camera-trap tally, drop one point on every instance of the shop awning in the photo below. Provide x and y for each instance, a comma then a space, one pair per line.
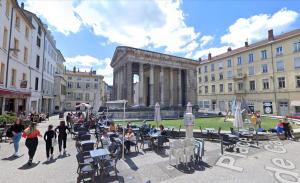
14, 93
295, 103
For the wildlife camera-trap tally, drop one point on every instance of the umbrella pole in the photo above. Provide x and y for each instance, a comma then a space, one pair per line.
123, 133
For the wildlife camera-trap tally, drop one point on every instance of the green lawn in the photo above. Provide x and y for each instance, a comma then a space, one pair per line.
215, 123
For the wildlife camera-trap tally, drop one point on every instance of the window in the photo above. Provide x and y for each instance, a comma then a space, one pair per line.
250, 58
221, 66
78, 78
200, 80
36, 85
221, 76
37, 62
25, 55
212, 67
7, 10
2, 70
87, 85
69, 78
38, 41
206, 89
70, 85
48, 67
229, 74
281, 82
264, 68
16, 48
221, 88
297, 46
298, 81
265, 84
229, 87
213, 77
252, 85
78, 85
280, 66
205, 79
5, 38
205, 68
96, 79
87, 96
40, 30
264, 54
26, 32
229, 63
240, 72
213, 88
199, 70
17, 23
251, 71
200, 89
24, 78
206, 104
240, 86
279, 51
239, 61
297, 62
96, 85
13, 77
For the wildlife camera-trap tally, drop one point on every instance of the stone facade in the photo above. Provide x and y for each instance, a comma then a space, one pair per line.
166, 79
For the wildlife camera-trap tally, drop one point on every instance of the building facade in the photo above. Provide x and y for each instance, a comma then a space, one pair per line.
266, 74
15, 48
60, 83
35, 63
84, 87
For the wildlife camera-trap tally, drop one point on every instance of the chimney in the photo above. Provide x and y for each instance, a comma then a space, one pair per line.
209, 56
246, 44
199, 59
228, 49
74, 69
270, 35
78, 70
22, 5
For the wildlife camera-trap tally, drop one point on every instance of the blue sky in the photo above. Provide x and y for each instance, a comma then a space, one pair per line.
87, 32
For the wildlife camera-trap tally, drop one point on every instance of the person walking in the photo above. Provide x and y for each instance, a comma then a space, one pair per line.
258, 119
31, 134
49, 137
62, 135
17, 130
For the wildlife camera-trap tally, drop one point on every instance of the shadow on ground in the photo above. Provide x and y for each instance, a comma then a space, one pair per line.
12, 157
27, 167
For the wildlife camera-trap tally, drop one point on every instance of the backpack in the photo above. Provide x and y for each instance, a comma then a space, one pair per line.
9, 133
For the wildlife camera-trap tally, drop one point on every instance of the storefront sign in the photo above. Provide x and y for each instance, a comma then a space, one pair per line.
268, 109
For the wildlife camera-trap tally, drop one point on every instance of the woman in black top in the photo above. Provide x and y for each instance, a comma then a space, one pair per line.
62, 135
17, 130
49, 137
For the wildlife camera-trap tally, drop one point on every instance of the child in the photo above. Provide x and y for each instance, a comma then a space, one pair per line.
49, 137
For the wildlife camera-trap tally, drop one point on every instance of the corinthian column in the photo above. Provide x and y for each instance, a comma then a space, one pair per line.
171, 87
162, 86
179, 88
141, 84
151, 85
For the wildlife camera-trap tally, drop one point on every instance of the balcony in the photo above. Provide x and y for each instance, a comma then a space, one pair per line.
240, 77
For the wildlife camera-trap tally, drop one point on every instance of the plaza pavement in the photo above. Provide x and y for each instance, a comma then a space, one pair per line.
256, 166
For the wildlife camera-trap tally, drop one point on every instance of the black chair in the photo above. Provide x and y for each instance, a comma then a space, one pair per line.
85, 170
87, 147
111, 164
84, 137
227, 143
159, 143
144, 139
216, 136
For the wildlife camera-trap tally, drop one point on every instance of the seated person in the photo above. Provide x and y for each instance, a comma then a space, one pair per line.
162, 130
129, 139
152, 130
112, 127
81, 119
287, 129
105, 139
279, 127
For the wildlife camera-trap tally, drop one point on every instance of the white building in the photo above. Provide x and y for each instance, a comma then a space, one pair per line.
35, 63
15, 49
49, 65
59, 84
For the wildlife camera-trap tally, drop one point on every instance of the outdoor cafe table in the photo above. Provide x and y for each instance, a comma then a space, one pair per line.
100, 156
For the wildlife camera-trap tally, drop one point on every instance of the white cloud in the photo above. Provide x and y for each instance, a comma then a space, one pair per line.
86, 62
206, 39
255, 28
140, 24
59, 14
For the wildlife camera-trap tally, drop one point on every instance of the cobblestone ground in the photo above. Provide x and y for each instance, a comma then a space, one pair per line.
270, 162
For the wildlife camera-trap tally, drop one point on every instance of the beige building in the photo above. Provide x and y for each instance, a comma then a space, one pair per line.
84, 87
266, 74
60, 83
